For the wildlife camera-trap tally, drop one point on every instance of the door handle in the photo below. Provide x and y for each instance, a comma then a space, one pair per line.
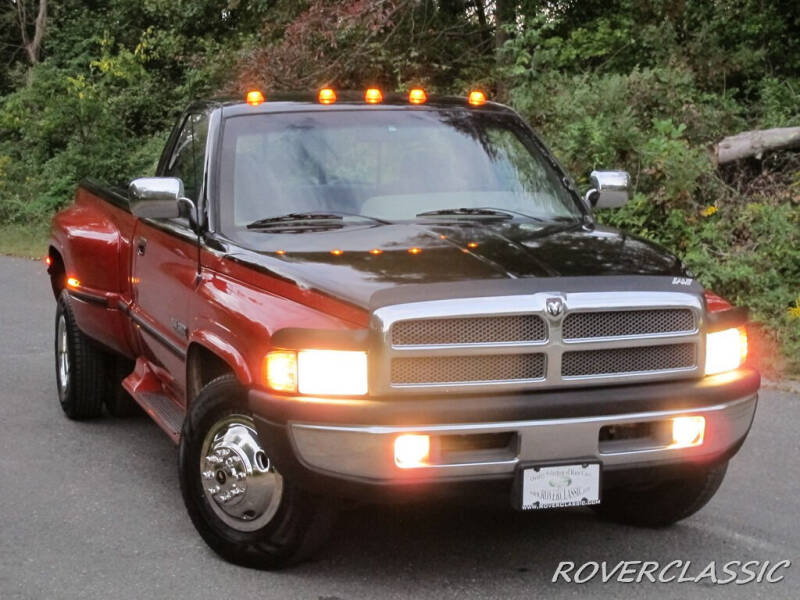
141, 246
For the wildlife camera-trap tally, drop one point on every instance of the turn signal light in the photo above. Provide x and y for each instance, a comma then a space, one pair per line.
373, 96
417, 96
255, 97
688, 431
411, 450
477, 98
48, 261
280, 370
72, 282
326, 96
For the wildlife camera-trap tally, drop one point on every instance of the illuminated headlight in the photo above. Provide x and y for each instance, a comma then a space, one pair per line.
725, 350
318, 372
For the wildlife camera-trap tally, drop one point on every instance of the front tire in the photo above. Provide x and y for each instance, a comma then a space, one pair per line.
663, 502
244, 509
82, 373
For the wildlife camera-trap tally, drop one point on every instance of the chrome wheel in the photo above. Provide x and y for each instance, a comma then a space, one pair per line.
238, 478
62, 354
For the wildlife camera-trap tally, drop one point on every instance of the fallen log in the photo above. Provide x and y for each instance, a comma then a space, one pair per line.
755, 143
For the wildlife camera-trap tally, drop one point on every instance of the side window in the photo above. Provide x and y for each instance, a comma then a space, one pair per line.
187, 157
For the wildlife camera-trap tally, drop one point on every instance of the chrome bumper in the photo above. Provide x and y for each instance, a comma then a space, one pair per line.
367, 452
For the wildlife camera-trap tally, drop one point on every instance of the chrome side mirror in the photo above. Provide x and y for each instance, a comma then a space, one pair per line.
159, 198
610, 189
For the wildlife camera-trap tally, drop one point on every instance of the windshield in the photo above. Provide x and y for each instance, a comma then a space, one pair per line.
385, 165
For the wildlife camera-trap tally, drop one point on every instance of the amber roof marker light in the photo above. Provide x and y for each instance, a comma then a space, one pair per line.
373, 96
326, 96
417, 96
477, 98
254, 97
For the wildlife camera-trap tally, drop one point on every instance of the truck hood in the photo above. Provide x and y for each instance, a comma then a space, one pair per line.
359, 263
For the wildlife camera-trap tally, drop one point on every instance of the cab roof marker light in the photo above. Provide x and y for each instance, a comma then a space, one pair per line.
477, 98
254, 97
326, 96
417, 96
373, 96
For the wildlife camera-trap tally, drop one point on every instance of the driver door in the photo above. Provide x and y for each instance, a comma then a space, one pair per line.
165, 264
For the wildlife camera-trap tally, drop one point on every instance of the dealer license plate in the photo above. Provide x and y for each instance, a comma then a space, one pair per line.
560, 486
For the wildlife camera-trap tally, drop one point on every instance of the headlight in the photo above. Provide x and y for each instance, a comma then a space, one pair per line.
318, 372
725, 350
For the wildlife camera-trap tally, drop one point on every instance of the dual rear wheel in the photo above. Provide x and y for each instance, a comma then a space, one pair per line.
87, 376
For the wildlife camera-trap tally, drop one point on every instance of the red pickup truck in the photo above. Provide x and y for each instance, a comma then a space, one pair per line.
351, 296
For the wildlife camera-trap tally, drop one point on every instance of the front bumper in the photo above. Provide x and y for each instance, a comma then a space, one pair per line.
323, 442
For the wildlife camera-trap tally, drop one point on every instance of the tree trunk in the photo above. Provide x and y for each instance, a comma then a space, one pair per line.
486, 35
32, 46
755, 143
505, 13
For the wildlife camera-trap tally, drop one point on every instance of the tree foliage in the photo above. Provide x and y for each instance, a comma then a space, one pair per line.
642, 85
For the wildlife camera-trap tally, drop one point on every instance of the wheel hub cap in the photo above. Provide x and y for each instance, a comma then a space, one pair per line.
62, 354
238, 479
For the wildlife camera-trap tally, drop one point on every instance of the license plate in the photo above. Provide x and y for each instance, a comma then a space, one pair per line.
559, 486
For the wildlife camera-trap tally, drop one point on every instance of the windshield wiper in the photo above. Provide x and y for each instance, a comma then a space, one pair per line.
472, 213
310, 219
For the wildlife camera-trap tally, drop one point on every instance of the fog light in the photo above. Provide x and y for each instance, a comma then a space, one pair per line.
688, 431
411, 450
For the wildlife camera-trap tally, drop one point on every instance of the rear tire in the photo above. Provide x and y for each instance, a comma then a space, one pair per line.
82, 373
243, 508
663, 502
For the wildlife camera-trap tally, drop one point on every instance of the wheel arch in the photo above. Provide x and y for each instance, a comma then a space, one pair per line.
57, 270
205, 361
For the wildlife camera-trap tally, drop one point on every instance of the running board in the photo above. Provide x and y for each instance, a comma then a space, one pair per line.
146, 389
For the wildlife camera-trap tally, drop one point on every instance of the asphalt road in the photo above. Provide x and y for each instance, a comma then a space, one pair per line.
93, 510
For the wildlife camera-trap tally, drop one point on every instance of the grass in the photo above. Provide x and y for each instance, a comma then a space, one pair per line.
26, 241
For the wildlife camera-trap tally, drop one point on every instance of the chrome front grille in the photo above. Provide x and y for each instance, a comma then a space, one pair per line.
623, 323
473, 330
461, 369
639, 359
512, 343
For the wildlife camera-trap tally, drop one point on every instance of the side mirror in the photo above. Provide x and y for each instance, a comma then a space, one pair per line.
610, 189
157, 198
